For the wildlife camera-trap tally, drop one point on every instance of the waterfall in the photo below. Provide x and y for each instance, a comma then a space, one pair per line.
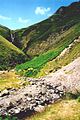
12, 38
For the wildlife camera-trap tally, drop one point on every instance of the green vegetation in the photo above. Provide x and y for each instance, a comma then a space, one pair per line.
37, 65
47, 40
7, 117
44, 36
44, 40
78, 99
9, 54
5, 32
67, 58
31, 68
43, 43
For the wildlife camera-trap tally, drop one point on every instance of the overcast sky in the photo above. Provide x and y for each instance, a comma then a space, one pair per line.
22, 13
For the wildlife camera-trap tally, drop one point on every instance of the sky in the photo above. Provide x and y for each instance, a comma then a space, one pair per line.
16, 14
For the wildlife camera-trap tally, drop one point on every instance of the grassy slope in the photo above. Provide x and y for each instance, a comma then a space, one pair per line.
66, 59
9, 54
41, 37
37, 39
32, 68
64, 110
58, 63
5, 32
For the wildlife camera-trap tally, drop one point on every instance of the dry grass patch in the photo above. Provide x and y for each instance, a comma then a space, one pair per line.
10, 80
63, 110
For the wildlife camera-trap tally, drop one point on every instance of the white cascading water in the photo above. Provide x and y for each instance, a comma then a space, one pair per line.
12, 38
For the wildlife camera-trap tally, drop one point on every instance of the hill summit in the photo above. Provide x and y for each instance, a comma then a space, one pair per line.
72, 9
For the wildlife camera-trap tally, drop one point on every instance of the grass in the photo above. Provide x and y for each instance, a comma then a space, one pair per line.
36, 66
5, 32
49, 35
31, 68
11, 80
36, 40
9, 54
67, 58
63, 110
58, 63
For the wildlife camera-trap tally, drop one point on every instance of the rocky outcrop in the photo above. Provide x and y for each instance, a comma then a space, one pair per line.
31, 98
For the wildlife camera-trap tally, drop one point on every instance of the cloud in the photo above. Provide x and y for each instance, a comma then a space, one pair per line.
41, 10
4, 17
22, 20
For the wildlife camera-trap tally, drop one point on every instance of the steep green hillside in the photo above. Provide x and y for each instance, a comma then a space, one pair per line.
58, 63
43, 41
9, 54
33, 67
68, 57
43, 36
5, 32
